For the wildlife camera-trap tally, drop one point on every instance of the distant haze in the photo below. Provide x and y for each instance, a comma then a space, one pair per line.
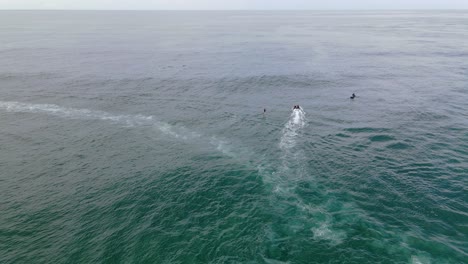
232, 4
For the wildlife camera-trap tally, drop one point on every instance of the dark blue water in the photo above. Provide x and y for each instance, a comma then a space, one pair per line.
139, 137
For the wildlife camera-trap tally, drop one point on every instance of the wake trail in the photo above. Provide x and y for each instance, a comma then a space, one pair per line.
221, 145
86, 114
317, 217
292, 169
296, 122
324, 218
292, 155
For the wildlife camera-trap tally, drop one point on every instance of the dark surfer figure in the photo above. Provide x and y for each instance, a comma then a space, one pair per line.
264, 110
353, 96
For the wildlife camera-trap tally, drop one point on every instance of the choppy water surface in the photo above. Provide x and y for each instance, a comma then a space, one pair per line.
139, 137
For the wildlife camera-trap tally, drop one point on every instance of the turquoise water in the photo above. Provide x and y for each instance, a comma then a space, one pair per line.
139, 137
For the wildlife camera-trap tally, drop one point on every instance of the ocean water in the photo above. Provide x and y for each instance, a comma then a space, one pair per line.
139, 137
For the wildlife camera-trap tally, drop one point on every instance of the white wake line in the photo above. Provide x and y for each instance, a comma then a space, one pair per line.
290, 159
74, 113
296, 122
178, 132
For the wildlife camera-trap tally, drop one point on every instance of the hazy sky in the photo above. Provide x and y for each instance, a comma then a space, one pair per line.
233, 4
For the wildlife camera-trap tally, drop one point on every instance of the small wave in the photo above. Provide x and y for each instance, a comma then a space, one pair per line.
367, 130
381, 138
399, 146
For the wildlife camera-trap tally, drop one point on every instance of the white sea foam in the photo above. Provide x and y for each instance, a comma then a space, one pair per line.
66, 112
420, 260
325, 232
222, 146
74, 113
296, 122
293, 168
178, 132
292, 161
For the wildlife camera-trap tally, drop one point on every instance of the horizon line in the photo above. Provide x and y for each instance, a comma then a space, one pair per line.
334, 9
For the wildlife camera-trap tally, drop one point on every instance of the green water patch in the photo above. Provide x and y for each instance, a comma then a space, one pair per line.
399, 146
381, 138
342, 135
453, 161
367, 130
360, 147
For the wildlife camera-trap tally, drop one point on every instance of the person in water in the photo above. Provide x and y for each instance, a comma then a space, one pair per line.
353, 96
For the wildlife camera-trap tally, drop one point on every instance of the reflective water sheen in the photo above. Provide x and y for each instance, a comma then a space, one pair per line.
140, 137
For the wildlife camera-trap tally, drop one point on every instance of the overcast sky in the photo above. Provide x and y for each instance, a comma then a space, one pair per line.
233, 4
